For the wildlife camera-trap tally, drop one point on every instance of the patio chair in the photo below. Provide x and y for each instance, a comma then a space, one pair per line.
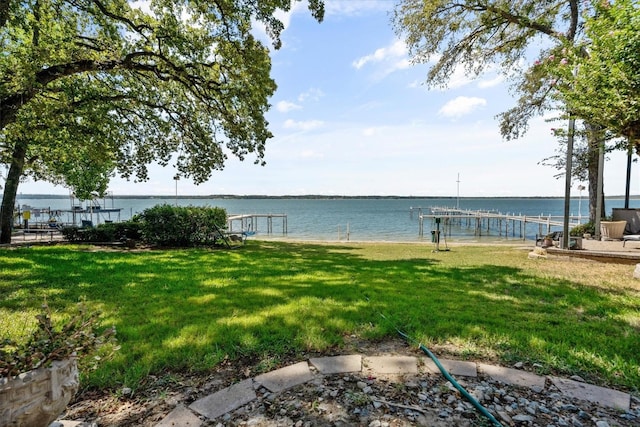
630, 238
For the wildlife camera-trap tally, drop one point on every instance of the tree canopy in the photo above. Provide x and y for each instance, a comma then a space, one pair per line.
89, 87
502, 34
599, 79
477, 35
596, 80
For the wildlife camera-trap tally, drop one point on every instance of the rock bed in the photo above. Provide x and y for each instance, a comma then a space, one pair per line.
352, 400
347, 400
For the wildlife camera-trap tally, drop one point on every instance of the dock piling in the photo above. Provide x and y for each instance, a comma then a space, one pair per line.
485, 221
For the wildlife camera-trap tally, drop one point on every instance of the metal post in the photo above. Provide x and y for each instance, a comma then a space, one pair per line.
599, 188
458, 193
628, 186
580, 188
567, 184
176, 178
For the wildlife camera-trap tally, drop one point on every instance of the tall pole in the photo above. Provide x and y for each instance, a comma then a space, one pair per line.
458, 193
580, 188
567, 184
627, 191
599, 189
176, 178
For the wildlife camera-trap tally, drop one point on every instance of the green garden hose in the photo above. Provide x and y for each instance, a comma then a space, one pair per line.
452, 380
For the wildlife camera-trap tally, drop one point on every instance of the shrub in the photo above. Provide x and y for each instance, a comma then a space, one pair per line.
581, 229
71, 233
108, 232
126, 230
114, 232
182, 226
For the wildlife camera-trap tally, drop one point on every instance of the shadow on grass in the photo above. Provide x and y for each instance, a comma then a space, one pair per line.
189, 309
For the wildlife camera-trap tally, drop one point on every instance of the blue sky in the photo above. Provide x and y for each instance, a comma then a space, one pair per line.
352, 116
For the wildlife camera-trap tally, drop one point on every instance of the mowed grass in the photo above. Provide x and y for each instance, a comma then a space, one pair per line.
188, 310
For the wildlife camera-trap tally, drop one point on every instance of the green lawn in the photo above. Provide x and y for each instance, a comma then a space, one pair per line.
190, 309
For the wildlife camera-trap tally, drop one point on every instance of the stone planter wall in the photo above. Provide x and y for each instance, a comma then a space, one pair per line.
36, 398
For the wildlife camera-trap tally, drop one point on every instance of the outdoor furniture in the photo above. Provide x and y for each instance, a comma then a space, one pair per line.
53, 225
631, 238
550, 239
612, 230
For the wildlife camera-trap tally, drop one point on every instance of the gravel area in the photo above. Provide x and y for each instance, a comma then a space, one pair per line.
353, 400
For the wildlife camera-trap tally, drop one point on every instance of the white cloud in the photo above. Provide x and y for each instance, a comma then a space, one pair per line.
260, 30
142, 5
399, 65
395, 53
461, 106
459, 78
286, 106
344, 8
310, 154
303, 125
312, 94
368, 106
456, 79
285, 17
489, 83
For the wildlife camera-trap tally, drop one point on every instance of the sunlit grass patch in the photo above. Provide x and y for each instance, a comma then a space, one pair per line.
179, 310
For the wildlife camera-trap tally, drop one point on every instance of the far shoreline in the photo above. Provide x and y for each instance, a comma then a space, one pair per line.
308, 197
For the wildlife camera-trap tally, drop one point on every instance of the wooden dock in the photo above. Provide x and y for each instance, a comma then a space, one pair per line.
43, 218
486, 223
249, 222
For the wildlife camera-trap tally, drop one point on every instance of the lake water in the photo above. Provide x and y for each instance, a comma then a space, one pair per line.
367, 219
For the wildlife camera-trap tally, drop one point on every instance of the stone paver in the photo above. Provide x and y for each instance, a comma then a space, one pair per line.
454, 367
67, 423
513, 376
225, 400
593, 393
284, 378
237, 395
391, 364
337, 364
180, 416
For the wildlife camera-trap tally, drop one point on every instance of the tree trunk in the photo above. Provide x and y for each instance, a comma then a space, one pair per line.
594, 139
11, 190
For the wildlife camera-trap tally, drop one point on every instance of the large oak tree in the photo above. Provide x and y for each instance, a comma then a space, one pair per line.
89, 87
477, 34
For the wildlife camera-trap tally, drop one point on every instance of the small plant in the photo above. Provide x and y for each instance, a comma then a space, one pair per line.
582, 229
76, 337
358, 398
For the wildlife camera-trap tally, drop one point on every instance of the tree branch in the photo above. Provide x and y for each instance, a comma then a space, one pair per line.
522, 21
136, 27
